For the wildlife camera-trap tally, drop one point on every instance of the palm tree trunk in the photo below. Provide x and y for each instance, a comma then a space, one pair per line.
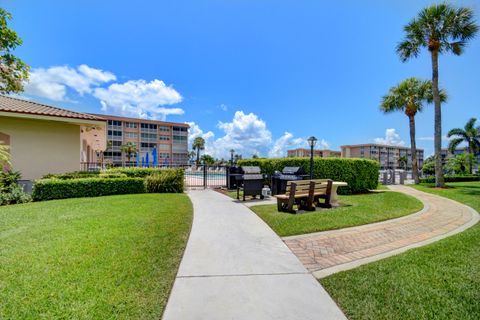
470, 157
198, 156
439, 181
413, 148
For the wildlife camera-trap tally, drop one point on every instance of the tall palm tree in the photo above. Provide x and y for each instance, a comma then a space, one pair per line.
470, 135
129, 149
409, 96
198, 145
440, 28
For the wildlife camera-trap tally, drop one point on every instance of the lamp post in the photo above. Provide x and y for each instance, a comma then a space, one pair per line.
311, 142
231, 153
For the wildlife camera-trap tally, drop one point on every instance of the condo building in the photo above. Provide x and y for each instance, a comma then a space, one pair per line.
301, 152
387, 156
170, 139
446, 154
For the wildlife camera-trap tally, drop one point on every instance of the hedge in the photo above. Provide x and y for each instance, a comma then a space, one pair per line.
360, 174
48, 189
166, 181
72, 175
455, 178
135, 172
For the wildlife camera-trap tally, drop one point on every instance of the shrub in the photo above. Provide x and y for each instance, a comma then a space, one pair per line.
14, 196
165, 181
360, 174
48, 189
72, 175
135, 172
112, 175
453, 178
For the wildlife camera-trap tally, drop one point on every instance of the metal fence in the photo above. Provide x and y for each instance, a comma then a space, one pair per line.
201, 176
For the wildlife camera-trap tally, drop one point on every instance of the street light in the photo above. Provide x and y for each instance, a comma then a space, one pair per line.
231, 153
311, 142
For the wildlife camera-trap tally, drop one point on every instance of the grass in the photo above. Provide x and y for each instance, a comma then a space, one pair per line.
110, 257
355, 210
438, 281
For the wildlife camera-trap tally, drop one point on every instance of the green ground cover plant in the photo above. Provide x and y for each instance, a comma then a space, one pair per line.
438, 281
111, 257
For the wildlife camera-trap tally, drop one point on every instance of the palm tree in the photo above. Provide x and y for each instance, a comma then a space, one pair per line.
440, 28
4, 156
129, 149
409, 96
402, 162
198, 145
470, 135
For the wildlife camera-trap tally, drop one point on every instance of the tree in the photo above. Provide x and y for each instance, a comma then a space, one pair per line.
408, 97
470, 135
191, 155
129, 149
198, 145
402, 163
459, 163
13, 71
4, 156
429, 166
440, 28
255, 156
207, 159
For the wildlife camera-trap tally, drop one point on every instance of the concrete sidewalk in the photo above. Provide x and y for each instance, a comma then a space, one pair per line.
236, 267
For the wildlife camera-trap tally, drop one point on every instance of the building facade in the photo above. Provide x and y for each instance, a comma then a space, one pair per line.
388, 156
170, 139
44, 139
447, 154
301, 152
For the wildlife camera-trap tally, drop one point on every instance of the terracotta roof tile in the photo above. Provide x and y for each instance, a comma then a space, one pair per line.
15, 105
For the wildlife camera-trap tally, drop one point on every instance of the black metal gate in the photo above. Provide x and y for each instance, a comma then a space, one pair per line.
206, 176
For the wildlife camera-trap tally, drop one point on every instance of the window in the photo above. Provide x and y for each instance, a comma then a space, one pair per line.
114, 123
148, 136
180, 129
164, 138
148, 126
147, 145
179, 138
116, 143
131, 135
115, 133
164, 129
164, 147
131, 125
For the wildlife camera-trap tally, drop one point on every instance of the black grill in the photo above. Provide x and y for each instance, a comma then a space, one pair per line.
250, 180
280, 179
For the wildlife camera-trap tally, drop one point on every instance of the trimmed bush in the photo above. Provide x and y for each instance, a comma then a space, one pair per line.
135, 172
165, 181
72, 175
48, 189
456, 178
112, 175
360, 174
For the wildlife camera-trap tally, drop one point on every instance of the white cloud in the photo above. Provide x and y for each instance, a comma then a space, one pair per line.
223, 107
324, 144
195, 132
138, 98
391, 138
287, 141
444, 138
52, 83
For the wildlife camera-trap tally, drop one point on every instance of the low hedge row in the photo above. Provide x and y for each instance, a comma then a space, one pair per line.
165, 181
360, 174
49, 189
455, 178
135, 172
72, 175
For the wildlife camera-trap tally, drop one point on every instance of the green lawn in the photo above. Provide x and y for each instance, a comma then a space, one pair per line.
438, 281
110, 257
355, 210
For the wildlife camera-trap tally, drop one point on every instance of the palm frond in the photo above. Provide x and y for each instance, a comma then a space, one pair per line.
454, 144
470, 124
457, 132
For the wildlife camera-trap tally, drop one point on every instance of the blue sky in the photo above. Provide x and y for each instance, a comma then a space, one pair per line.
256, 76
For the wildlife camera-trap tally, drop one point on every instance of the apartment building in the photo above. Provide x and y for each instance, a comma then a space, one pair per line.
387, 156
446, 154
301, 152
170, 138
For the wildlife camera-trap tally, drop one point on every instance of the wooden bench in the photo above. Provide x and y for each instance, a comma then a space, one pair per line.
306, 194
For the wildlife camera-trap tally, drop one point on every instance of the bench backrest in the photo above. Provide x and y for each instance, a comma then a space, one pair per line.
322, 186
302, 186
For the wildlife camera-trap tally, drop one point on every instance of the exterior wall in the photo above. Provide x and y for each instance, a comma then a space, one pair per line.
171, 140
387, 156
301, 152
38, 147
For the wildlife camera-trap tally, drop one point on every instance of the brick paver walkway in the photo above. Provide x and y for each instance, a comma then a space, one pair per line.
331, 249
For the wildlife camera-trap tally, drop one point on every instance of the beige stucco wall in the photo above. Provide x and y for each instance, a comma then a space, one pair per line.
39, 147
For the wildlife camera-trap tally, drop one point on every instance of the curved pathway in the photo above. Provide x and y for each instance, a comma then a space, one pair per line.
328, 252
236, 267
